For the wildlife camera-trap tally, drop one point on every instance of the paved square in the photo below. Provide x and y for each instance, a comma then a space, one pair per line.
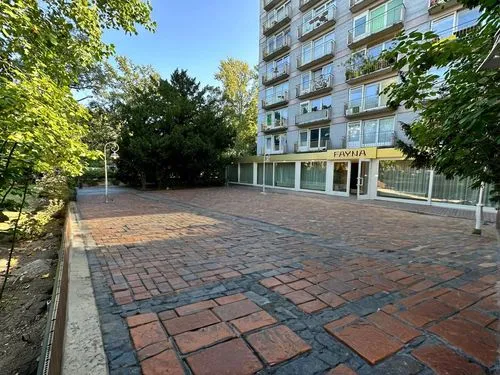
229, 281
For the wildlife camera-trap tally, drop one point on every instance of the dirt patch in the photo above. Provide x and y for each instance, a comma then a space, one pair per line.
25, 304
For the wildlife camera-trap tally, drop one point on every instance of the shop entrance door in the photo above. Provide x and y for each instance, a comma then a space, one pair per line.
363, 179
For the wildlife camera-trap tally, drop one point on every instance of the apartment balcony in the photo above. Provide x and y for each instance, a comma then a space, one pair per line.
271, 26
278, 74
319, 54
371, 105
372, 139
323, 145
368, 69
357, 5
392, 21
317, 25
317, 86
275, 101
305, 5
314, 117
279, 49
270, 4
436, 6
277, 126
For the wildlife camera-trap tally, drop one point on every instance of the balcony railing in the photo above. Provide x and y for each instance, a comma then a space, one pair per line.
314, 117
307, 4
270, 26
368, 104
372, 139
277, 125
276, 74
318, 24
319, 85
392, 21
368, 68
357, 5
436, 6
323, 145
278, 48
270, 4
318, 54
273, 150
275, 100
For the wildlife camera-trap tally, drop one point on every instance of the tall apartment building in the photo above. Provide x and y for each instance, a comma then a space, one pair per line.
323, 121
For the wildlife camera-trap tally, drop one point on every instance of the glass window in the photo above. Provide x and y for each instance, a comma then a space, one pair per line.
246, 173
284, 175
304, 108
268, 144
340, 171
353, 134
315, 105
276, 143
269, 173
443, 27
360, 26
386, 130
232, 173
313, 176
467, 18
377, 19
303, 139
306, 81
306, 53
375, 51
397, 179
355, 97
314, 138
371, 96
324, 137
370, 132
326, 102
269, 119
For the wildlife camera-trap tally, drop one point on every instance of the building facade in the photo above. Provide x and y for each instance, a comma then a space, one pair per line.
324, 123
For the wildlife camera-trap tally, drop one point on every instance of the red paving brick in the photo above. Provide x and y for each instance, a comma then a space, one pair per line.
153, 349
191, 341
228, 358
341, 370
476, 317
166, 315
253, 321
445, 361
230, 299
426, 312
278, 344
190, 322
340, 323
368, 341
165, 363
283, 289
287, 278
331, 299
137, 320
236, 310
458, 299
299, 297
301, 284
147, 334
312, 306
270, 282
195, 307
393, 326
471, 338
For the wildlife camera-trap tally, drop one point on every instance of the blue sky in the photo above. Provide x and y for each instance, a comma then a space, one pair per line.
194, 35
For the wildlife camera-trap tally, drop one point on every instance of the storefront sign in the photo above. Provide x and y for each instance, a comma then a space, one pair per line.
356, 153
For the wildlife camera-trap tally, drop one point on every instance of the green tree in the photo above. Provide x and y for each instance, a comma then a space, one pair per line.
457, 132
240, 102
173, 133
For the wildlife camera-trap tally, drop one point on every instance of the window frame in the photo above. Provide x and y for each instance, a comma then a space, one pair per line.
308, 146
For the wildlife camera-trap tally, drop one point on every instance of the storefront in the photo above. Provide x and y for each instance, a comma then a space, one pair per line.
366, 173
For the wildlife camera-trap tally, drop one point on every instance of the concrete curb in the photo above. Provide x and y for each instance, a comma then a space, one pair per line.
83, 351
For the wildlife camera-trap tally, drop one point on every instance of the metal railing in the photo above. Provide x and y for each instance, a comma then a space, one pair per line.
276, 98
327, 16
391, 17
365, 67
269, 24
277, 124
317, 84
366, 103
313, 116
285, 42
276, 73
318, 52
323, 145
372, 139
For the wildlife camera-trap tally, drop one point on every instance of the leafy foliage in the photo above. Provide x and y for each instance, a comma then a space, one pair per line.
240, 102
457, 132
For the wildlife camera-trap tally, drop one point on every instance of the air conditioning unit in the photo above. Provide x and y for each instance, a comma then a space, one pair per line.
353, 110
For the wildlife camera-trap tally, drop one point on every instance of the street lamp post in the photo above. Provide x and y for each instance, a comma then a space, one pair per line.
266, 159
114, 149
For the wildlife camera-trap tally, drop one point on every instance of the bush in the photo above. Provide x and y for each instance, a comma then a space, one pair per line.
54, 186
37, 224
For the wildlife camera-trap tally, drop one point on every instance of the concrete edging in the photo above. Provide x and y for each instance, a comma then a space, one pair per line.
83, 351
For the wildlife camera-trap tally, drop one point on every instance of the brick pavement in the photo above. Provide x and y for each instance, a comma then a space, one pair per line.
228, 281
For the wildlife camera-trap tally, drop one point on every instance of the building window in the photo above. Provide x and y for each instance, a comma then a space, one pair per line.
313, 176
371, 133
284, 175
317, 48
455, 22
397, 179
275, 144
269, 173
377, 19
246, 173
316, 104
232, 173
314, 139
277, 67
277, 118
277, 41
315, 17
277, 93
277, 14
366, 97
340, 175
